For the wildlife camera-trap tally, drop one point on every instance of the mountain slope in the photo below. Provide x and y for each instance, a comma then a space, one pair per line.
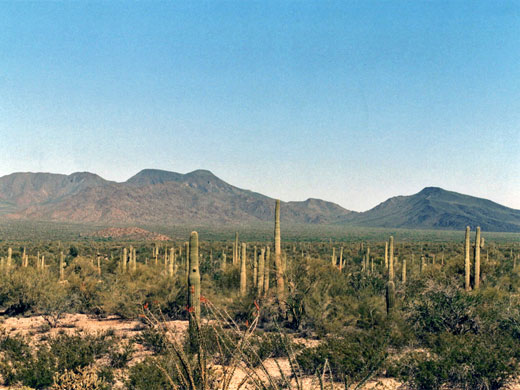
154, 196
435, 208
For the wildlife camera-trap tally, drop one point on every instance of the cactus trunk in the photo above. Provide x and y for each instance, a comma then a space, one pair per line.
280, 288
261, 270
467, 265
194, 285
243, 274
391, 259
477, 258
267, 269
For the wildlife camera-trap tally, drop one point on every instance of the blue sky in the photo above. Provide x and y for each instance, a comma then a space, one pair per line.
351, 101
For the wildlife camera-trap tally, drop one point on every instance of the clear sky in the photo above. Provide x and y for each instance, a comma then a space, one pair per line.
346, 101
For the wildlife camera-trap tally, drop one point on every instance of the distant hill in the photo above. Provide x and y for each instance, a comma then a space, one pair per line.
435, 208
152, 197
155, 196
130, 233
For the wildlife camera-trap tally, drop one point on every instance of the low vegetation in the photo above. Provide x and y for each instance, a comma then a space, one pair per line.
342, 312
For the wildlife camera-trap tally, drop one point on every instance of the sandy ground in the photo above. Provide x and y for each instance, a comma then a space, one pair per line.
34, 327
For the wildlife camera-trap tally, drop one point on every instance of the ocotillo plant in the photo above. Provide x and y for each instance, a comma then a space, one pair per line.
261, 266
467, 265
280, 288
194, 287
267, 269
477, 258
243, 274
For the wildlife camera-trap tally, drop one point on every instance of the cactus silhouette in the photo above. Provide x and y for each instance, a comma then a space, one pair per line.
261, 270
280, 288
194, 286
478, 244
467, 264
243, 274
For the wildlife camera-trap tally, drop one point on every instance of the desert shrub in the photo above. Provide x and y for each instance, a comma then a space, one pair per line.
127, 294
466, 361
355, 355
153, 339
147, 375
21, 363
83, 379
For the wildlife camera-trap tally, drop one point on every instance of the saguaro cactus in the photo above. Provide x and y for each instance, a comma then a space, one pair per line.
261, 266
280, 288
390, 296
62, 266
267, 269
187, 250
391, 259
124, 260
478, 244
333, 257
340, 259
194, 284
171, 264
9, 258
386, 255
243, 273
467, 265
235, 250
99, 265
404, 271
255, 267
223, 261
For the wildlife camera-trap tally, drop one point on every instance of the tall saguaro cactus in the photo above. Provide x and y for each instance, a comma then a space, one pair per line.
255, 266
280, 288
62, 266
236, 254
386, 255
391, 258
261, 266
194, 283
404, 271
467, 265
9, 258
340, 259
267, 269
124, 260
477, 258
243, 274
171, 264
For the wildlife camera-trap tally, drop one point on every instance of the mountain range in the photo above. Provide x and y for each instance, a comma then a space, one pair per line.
161, 197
